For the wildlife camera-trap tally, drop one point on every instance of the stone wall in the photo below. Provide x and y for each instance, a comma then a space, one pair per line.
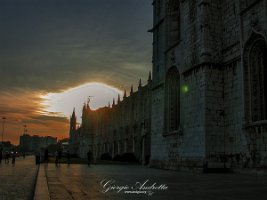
210, 59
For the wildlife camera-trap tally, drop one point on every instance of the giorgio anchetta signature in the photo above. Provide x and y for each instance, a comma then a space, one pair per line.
145, 187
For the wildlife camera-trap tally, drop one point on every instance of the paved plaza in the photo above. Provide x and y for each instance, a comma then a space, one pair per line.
119, 182
122, 182
17, 181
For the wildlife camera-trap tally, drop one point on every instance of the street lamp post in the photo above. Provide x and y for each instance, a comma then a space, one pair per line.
3, 130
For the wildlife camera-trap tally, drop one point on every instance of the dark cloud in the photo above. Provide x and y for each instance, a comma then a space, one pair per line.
51, 45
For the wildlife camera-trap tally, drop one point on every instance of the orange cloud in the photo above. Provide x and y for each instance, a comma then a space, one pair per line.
24, 107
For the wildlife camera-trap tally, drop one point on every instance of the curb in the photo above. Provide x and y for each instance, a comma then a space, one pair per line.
34, 184
41, 188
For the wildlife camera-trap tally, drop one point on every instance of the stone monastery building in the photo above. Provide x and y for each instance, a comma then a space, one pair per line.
207, 102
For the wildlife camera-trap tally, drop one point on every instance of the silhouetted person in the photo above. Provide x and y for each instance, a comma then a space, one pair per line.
37, 158
59, 156
68, 157
46, 155
7, 158
1, 156
89, 157
13, 157
56, 158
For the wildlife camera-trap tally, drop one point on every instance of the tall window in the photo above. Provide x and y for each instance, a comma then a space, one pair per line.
258, 80
173, 23
172, 101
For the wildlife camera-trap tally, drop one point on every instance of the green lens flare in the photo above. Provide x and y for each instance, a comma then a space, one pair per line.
185, 88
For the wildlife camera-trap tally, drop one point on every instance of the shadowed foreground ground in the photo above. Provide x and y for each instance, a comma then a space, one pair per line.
18, 181
83, 182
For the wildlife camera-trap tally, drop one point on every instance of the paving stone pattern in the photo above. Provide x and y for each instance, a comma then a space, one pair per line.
83, 183
17, 181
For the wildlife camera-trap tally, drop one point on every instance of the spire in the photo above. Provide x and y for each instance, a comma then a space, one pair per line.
88, 103
73, 120
73, 113
84, 107
119, 98
124, 96
149, 77
113, 103
140, 84
131, 89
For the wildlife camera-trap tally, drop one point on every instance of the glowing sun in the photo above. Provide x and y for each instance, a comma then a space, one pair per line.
62, 104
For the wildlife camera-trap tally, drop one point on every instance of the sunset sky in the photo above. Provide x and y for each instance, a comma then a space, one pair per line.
55, 53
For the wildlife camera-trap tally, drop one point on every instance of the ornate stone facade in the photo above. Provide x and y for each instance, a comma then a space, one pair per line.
209, 92
123, 127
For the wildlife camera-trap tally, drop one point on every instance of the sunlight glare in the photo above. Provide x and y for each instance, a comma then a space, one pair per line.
62, 104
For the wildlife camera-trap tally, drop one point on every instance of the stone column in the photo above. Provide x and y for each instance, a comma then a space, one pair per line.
143, 150
125, 146
118, 147
113, 150
205, 30
133, 145
108, 147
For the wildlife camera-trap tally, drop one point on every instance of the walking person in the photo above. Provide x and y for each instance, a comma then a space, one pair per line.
59, 156
89, 157
37, 158
46, 156
7, 157
56, 158
1, 156
68, 157
13, 157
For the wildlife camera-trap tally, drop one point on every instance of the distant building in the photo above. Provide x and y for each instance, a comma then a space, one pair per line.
7, 146
64, 145
30, 143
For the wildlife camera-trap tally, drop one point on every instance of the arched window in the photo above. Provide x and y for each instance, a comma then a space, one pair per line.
257, 60
172, 101
173, 23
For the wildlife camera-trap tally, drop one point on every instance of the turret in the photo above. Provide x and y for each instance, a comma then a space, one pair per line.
113, 103
149, 77
131, 90
119, 98
88, 106
84, 107
140, 84
73, 121
124, 96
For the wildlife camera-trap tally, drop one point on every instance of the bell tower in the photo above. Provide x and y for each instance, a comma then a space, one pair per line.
73, 121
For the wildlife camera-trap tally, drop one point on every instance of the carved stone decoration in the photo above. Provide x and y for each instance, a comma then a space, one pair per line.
253, 19
173, 62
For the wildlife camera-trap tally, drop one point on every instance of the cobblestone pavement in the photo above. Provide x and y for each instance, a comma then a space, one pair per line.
17, 181
82, 182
